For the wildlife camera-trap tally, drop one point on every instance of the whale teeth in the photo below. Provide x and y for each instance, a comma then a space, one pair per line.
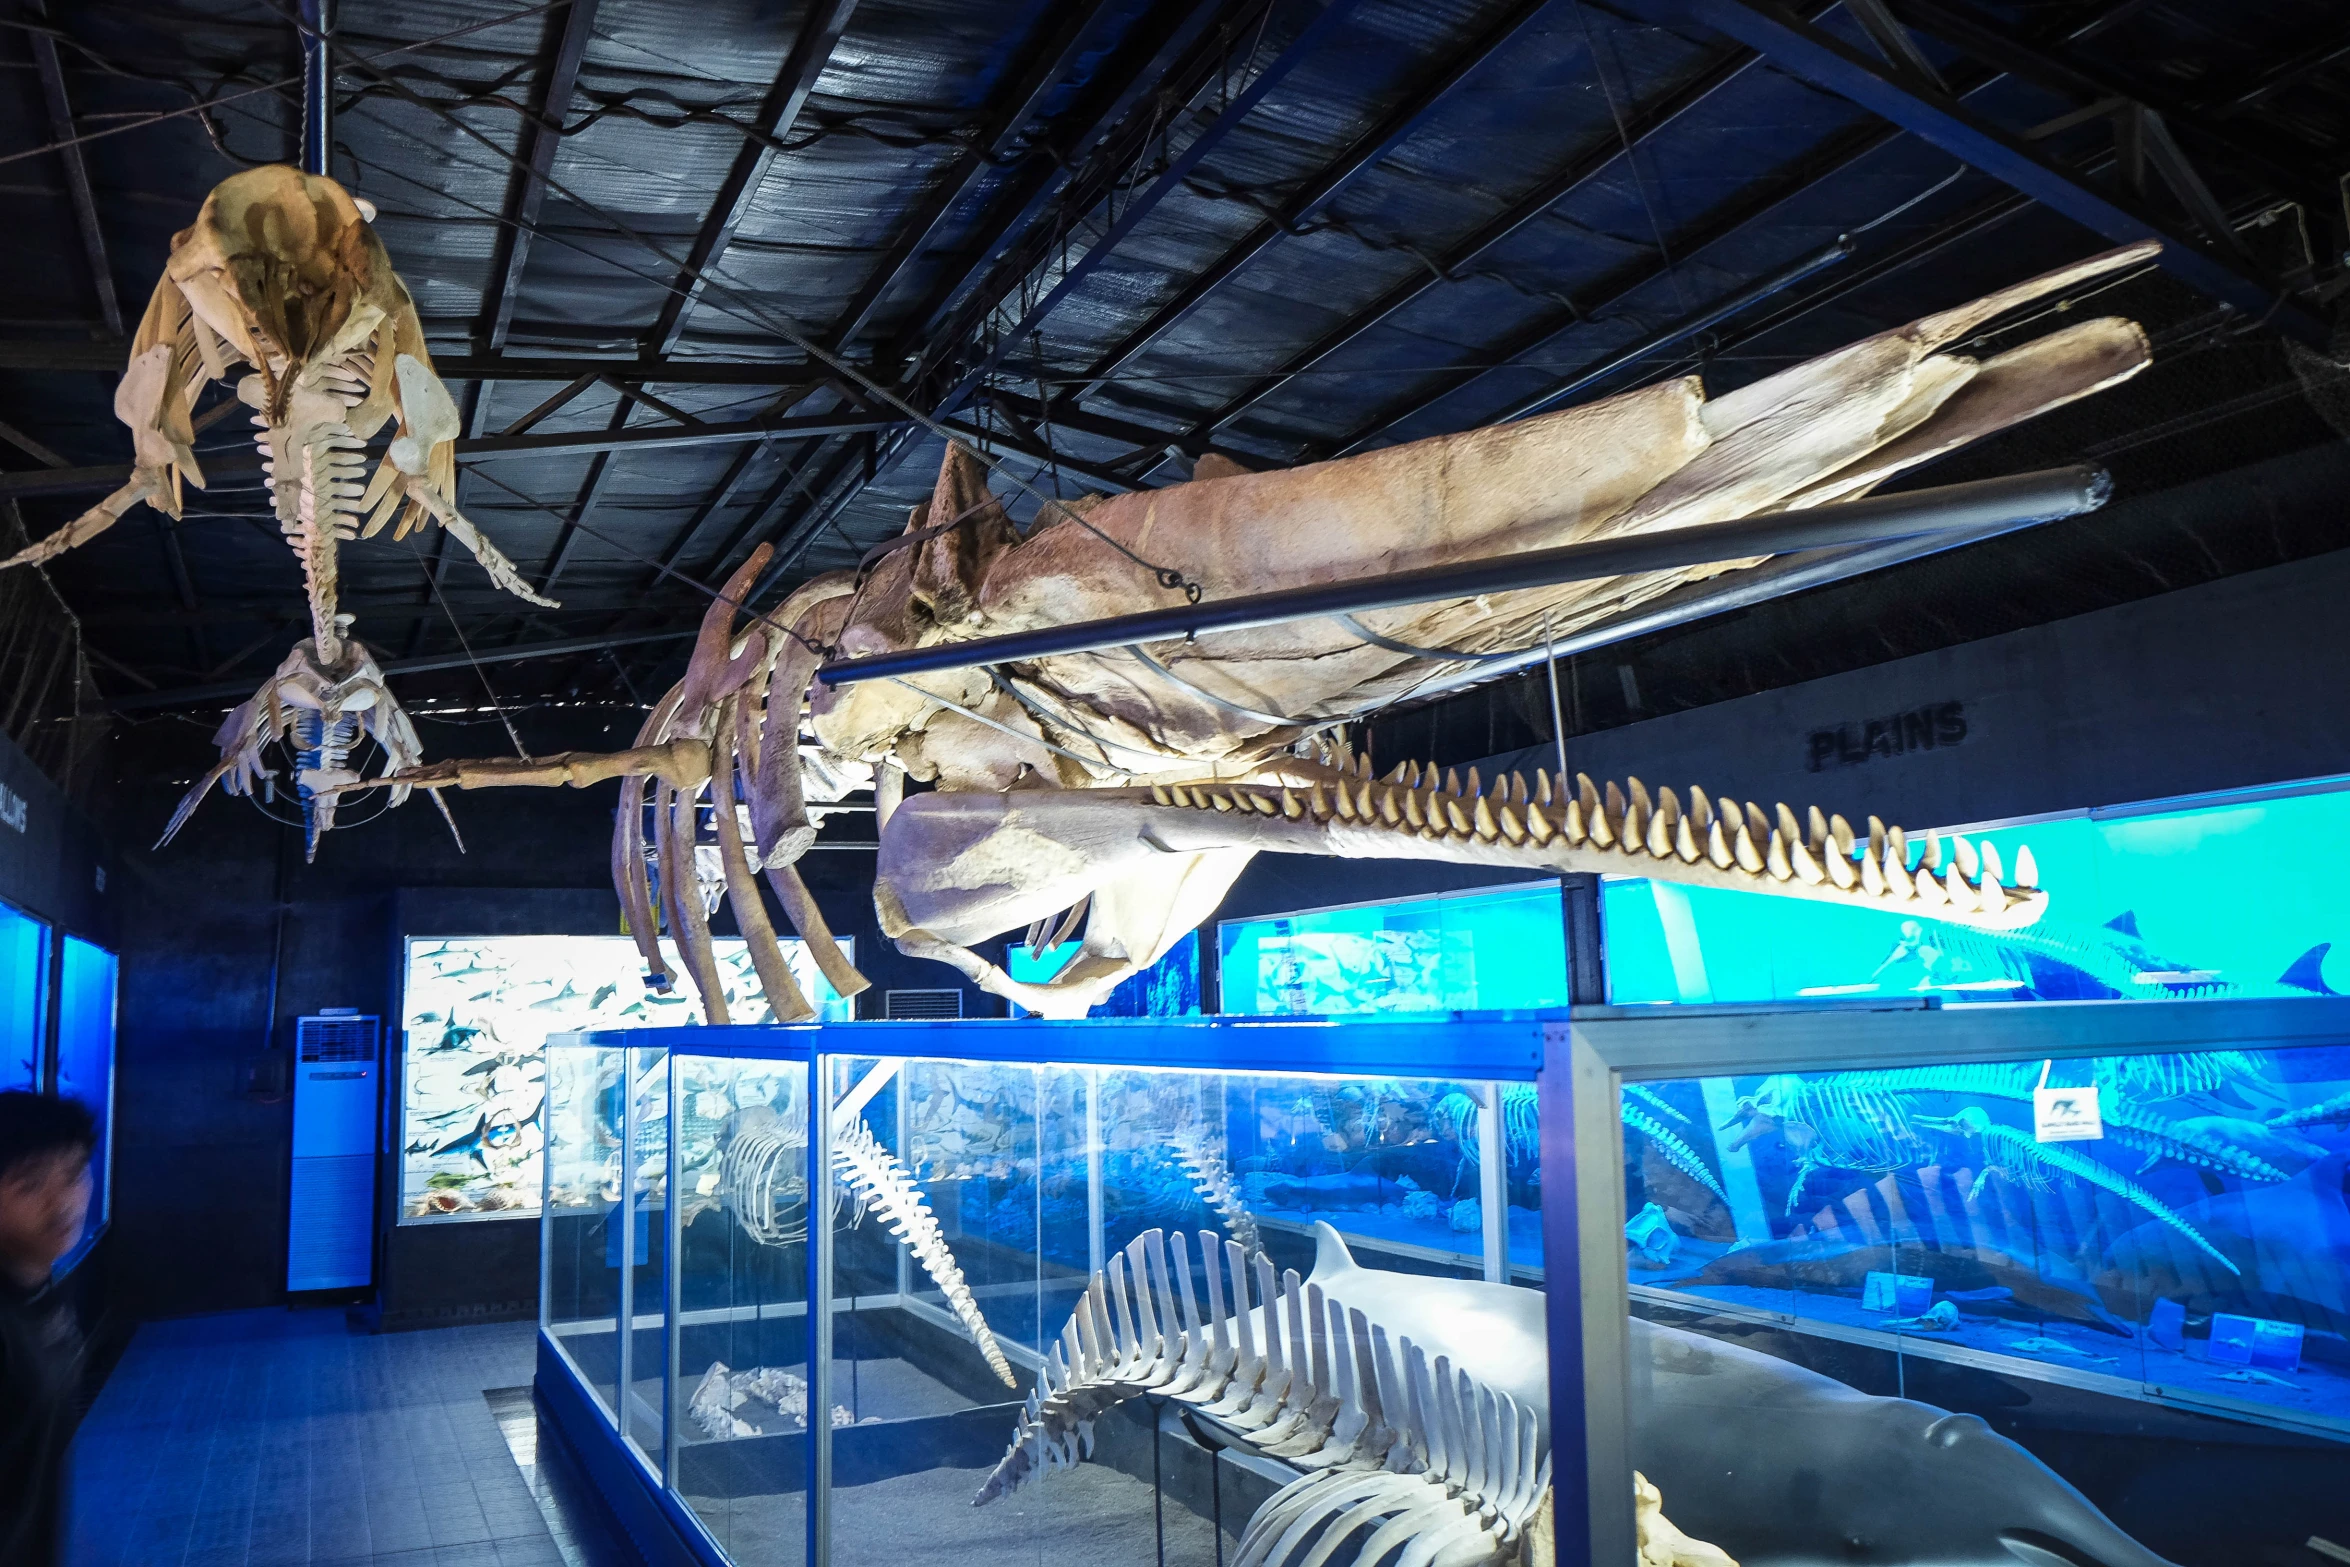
1637, 792
1455, 817
1787, 824
1538, 823
1668, 806
1775, 859
1391, 806
1877, 837
1471, 791
1955, 887
1634, 830
1815, 836
1595, 824
1841, 835
1220, 799
2027, 869
1658, 840
1411, 809
1896, 848
1933, 859
1541, 787
1159, 795
1872, 874
1701, 808
1685, 842
1318, 804
1929, 889
1742, 850
1807, 865
1841, 874
1587, 792
1291, 806
1992, 869
1452, 781
1970, 864
1346, 802
1990, 897
1717, 847
1513, 826
1481, 818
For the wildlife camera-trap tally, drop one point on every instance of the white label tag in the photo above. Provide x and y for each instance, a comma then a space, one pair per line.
2066, 1115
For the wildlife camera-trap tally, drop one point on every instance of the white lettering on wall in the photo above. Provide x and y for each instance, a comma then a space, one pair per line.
12, 808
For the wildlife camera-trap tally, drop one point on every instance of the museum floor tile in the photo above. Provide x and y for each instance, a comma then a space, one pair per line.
263, 1438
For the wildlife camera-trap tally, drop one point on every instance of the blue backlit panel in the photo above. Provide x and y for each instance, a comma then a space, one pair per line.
1168, 988
2217, 898
24, 973
85, 1051
1491, 949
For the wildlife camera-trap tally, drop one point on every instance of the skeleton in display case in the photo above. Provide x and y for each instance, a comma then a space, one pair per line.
1415, 1411
1129, 788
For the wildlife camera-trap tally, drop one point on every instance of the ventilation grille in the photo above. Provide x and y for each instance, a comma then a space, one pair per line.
921, 1003
334, 1038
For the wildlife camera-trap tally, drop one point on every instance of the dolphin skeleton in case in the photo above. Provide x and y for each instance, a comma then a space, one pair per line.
1416, 1412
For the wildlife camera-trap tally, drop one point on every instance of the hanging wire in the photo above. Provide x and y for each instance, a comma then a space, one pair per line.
479, 672
1631, 157
1167, 576
206, 106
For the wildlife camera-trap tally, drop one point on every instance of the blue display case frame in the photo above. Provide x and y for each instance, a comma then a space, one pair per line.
1502, 1047
1580, 1059
1596, 1050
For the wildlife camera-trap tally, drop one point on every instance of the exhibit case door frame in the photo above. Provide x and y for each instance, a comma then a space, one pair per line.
1590, 1057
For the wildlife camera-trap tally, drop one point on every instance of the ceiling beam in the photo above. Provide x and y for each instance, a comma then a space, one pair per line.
1643, 123
110, 358
1828, 63
77, 172
562, 443
541, 137
803, 63
1000, 141
2288, 168
1131, 213
1334, 177
1069, 157
591, 490
190, 696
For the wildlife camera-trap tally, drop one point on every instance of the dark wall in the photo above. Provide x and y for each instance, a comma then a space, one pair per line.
2231, 684
53, 861
213, 978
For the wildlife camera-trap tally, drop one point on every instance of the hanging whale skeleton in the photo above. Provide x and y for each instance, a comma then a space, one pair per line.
1118, 794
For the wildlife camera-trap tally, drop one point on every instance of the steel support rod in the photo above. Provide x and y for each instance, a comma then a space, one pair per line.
2055, 492
318, 87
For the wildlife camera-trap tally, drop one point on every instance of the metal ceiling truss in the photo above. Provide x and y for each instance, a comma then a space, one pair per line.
803, 63
1888, 90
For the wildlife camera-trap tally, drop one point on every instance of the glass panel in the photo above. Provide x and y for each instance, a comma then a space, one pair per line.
739, 1406
583, 1226
1168, 988
85, 1054
2131, 1265
648, 1300
1028, 1176
476, 1013
24, 978
1494, 948
2130, 918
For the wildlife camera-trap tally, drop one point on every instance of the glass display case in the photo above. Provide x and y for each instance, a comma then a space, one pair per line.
2090, 1257
2057, 1284
949, 1196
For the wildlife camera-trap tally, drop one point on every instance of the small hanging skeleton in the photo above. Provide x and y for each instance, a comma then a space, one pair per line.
281, 271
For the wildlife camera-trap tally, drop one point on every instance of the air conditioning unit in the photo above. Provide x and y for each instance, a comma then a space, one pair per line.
921, 1003
330, 1212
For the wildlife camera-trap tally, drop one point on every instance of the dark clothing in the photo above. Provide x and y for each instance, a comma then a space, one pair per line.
40, 1371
